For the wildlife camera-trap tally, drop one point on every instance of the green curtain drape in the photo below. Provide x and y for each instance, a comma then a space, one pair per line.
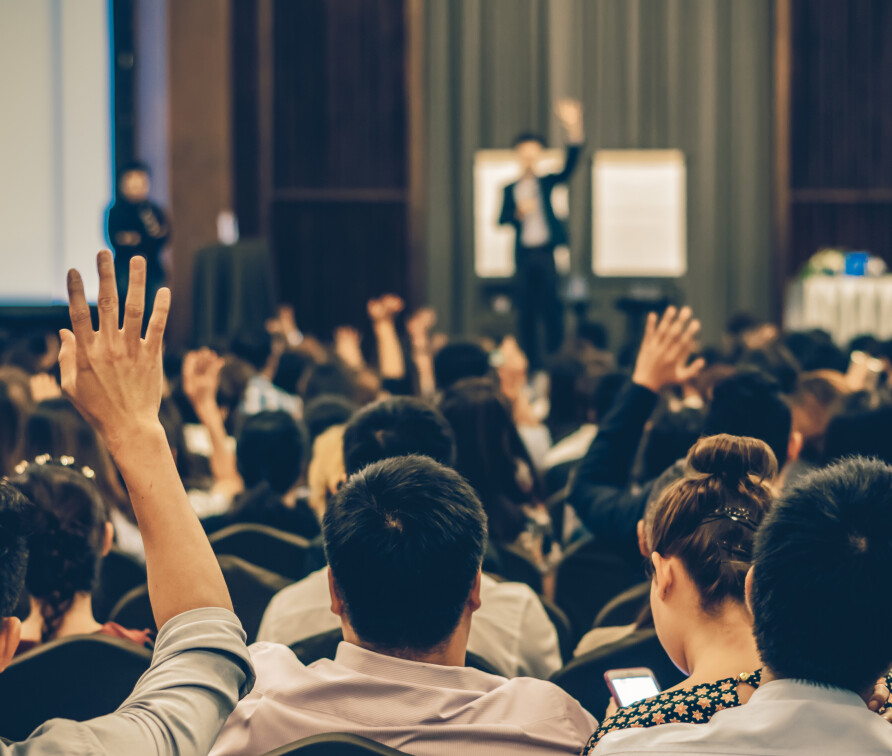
689, 74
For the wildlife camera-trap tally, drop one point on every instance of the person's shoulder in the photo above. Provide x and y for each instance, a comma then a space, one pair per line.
272, 662
552, 700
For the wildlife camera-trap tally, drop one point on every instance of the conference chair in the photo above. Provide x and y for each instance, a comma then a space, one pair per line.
516, 566
589, 575
335, 744
583, 678
78, 677
624, 608
118, 574
251, 588
273, 550
562, 625
325, 646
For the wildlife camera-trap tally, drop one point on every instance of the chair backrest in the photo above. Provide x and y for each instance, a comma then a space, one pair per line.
78, 677
562, 625
335, 744
583, 678
274, 550
624, 608
251, 588
118, 574
325, 646
589, 575
516, 566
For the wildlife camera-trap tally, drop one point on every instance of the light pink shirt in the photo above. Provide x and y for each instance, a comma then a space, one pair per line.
416, 707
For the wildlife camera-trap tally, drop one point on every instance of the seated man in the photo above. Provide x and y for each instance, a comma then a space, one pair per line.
815, 593
200, 665
404, 540
511, 630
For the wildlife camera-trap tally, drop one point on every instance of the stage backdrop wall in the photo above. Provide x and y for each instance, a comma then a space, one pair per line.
695, 75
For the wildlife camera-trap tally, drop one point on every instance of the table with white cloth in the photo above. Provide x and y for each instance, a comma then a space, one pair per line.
844, 306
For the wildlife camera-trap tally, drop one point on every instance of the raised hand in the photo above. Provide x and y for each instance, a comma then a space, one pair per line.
201, 376
386, 307
347, 343
569, 112
113, 376
666, 348
420, 323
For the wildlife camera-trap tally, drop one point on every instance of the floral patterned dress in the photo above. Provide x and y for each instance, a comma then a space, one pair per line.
693, 706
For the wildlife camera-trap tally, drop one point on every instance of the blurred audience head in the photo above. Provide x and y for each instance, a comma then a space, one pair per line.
326, 411
69, 533
817, 580
458, 360
404, 540
397, 427
15, 406
330, 379
13, 552
254, 347
270, 451
858, 430
670, 435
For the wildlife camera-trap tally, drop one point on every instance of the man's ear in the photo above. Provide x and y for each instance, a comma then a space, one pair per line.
474, 595
748, 590
642, 540
10, 635
109, 538
337, 606
794, 446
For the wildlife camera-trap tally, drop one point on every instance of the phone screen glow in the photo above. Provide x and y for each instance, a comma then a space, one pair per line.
633, 689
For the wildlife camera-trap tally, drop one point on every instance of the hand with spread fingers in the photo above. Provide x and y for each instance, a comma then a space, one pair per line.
665, 350
114, 376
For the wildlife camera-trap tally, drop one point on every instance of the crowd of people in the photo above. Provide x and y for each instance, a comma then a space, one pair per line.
439, 486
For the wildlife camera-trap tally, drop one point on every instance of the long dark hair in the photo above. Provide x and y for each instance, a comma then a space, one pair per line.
66, 536
56, 428
491, 454
15, 406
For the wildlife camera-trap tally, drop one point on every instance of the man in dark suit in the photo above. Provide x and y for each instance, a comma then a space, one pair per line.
527, 206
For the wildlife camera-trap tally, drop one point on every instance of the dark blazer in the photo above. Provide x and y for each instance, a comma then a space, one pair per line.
546, 184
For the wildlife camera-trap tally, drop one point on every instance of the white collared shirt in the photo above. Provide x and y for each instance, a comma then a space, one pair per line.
510, 630
783, 717
423, 709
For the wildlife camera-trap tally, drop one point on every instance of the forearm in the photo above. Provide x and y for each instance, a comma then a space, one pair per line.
182, 570
223, 462
391, 361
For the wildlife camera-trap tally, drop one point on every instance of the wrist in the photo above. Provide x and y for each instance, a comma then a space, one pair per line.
648, 382
133, 438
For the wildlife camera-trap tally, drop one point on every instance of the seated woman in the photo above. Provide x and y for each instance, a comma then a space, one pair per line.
70, 533
269, 457
494, 459
699, 533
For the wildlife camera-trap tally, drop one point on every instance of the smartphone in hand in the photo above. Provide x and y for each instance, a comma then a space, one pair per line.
628, 686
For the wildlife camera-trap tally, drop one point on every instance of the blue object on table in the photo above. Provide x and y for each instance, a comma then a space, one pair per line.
856, 263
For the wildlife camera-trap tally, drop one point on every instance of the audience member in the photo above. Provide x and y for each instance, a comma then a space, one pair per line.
256, 348
812, 590
405, 540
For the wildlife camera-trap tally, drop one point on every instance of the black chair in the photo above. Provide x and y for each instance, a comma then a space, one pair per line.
562, 624
78, 677
589, 575
583, 678
274, 550
325, 646
118, 574
251, 588
334, 744
516, 566
624, 608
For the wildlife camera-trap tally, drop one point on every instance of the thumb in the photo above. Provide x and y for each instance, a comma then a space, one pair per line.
67, 360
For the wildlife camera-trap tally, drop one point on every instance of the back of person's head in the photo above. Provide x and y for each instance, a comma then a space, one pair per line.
56, 428
817, 577
815, 350
749, 403
254, 347
327, 411
291, 367
490, 454
404, 540
672, 433
818, 395
270, 451
67, 535
329, 379
13, 547
709, 517
397, 427
458, 360
864, 431
15, 406
776, 360
528, 136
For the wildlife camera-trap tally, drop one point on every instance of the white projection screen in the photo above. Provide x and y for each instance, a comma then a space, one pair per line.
55, 145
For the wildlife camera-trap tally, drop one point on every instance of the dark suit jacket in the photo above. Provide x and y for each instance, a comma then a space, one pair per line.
546, 184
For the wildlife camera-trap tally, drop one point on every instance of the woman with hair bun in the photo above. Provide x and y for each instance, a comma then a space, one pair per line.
700, 533
68, 535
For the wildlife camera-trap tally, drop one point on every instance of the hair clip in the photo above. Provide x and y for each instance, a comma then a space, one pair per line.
735, 514
65, 461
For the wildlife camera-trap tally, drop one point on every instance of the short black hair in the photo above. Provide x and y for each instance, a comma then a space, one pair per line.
404, 540
13, 547
134, 165
528, 136
818, 568
749, 403
397, 427
862, 431
326, 411
458, 360
271, 449
253, 346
